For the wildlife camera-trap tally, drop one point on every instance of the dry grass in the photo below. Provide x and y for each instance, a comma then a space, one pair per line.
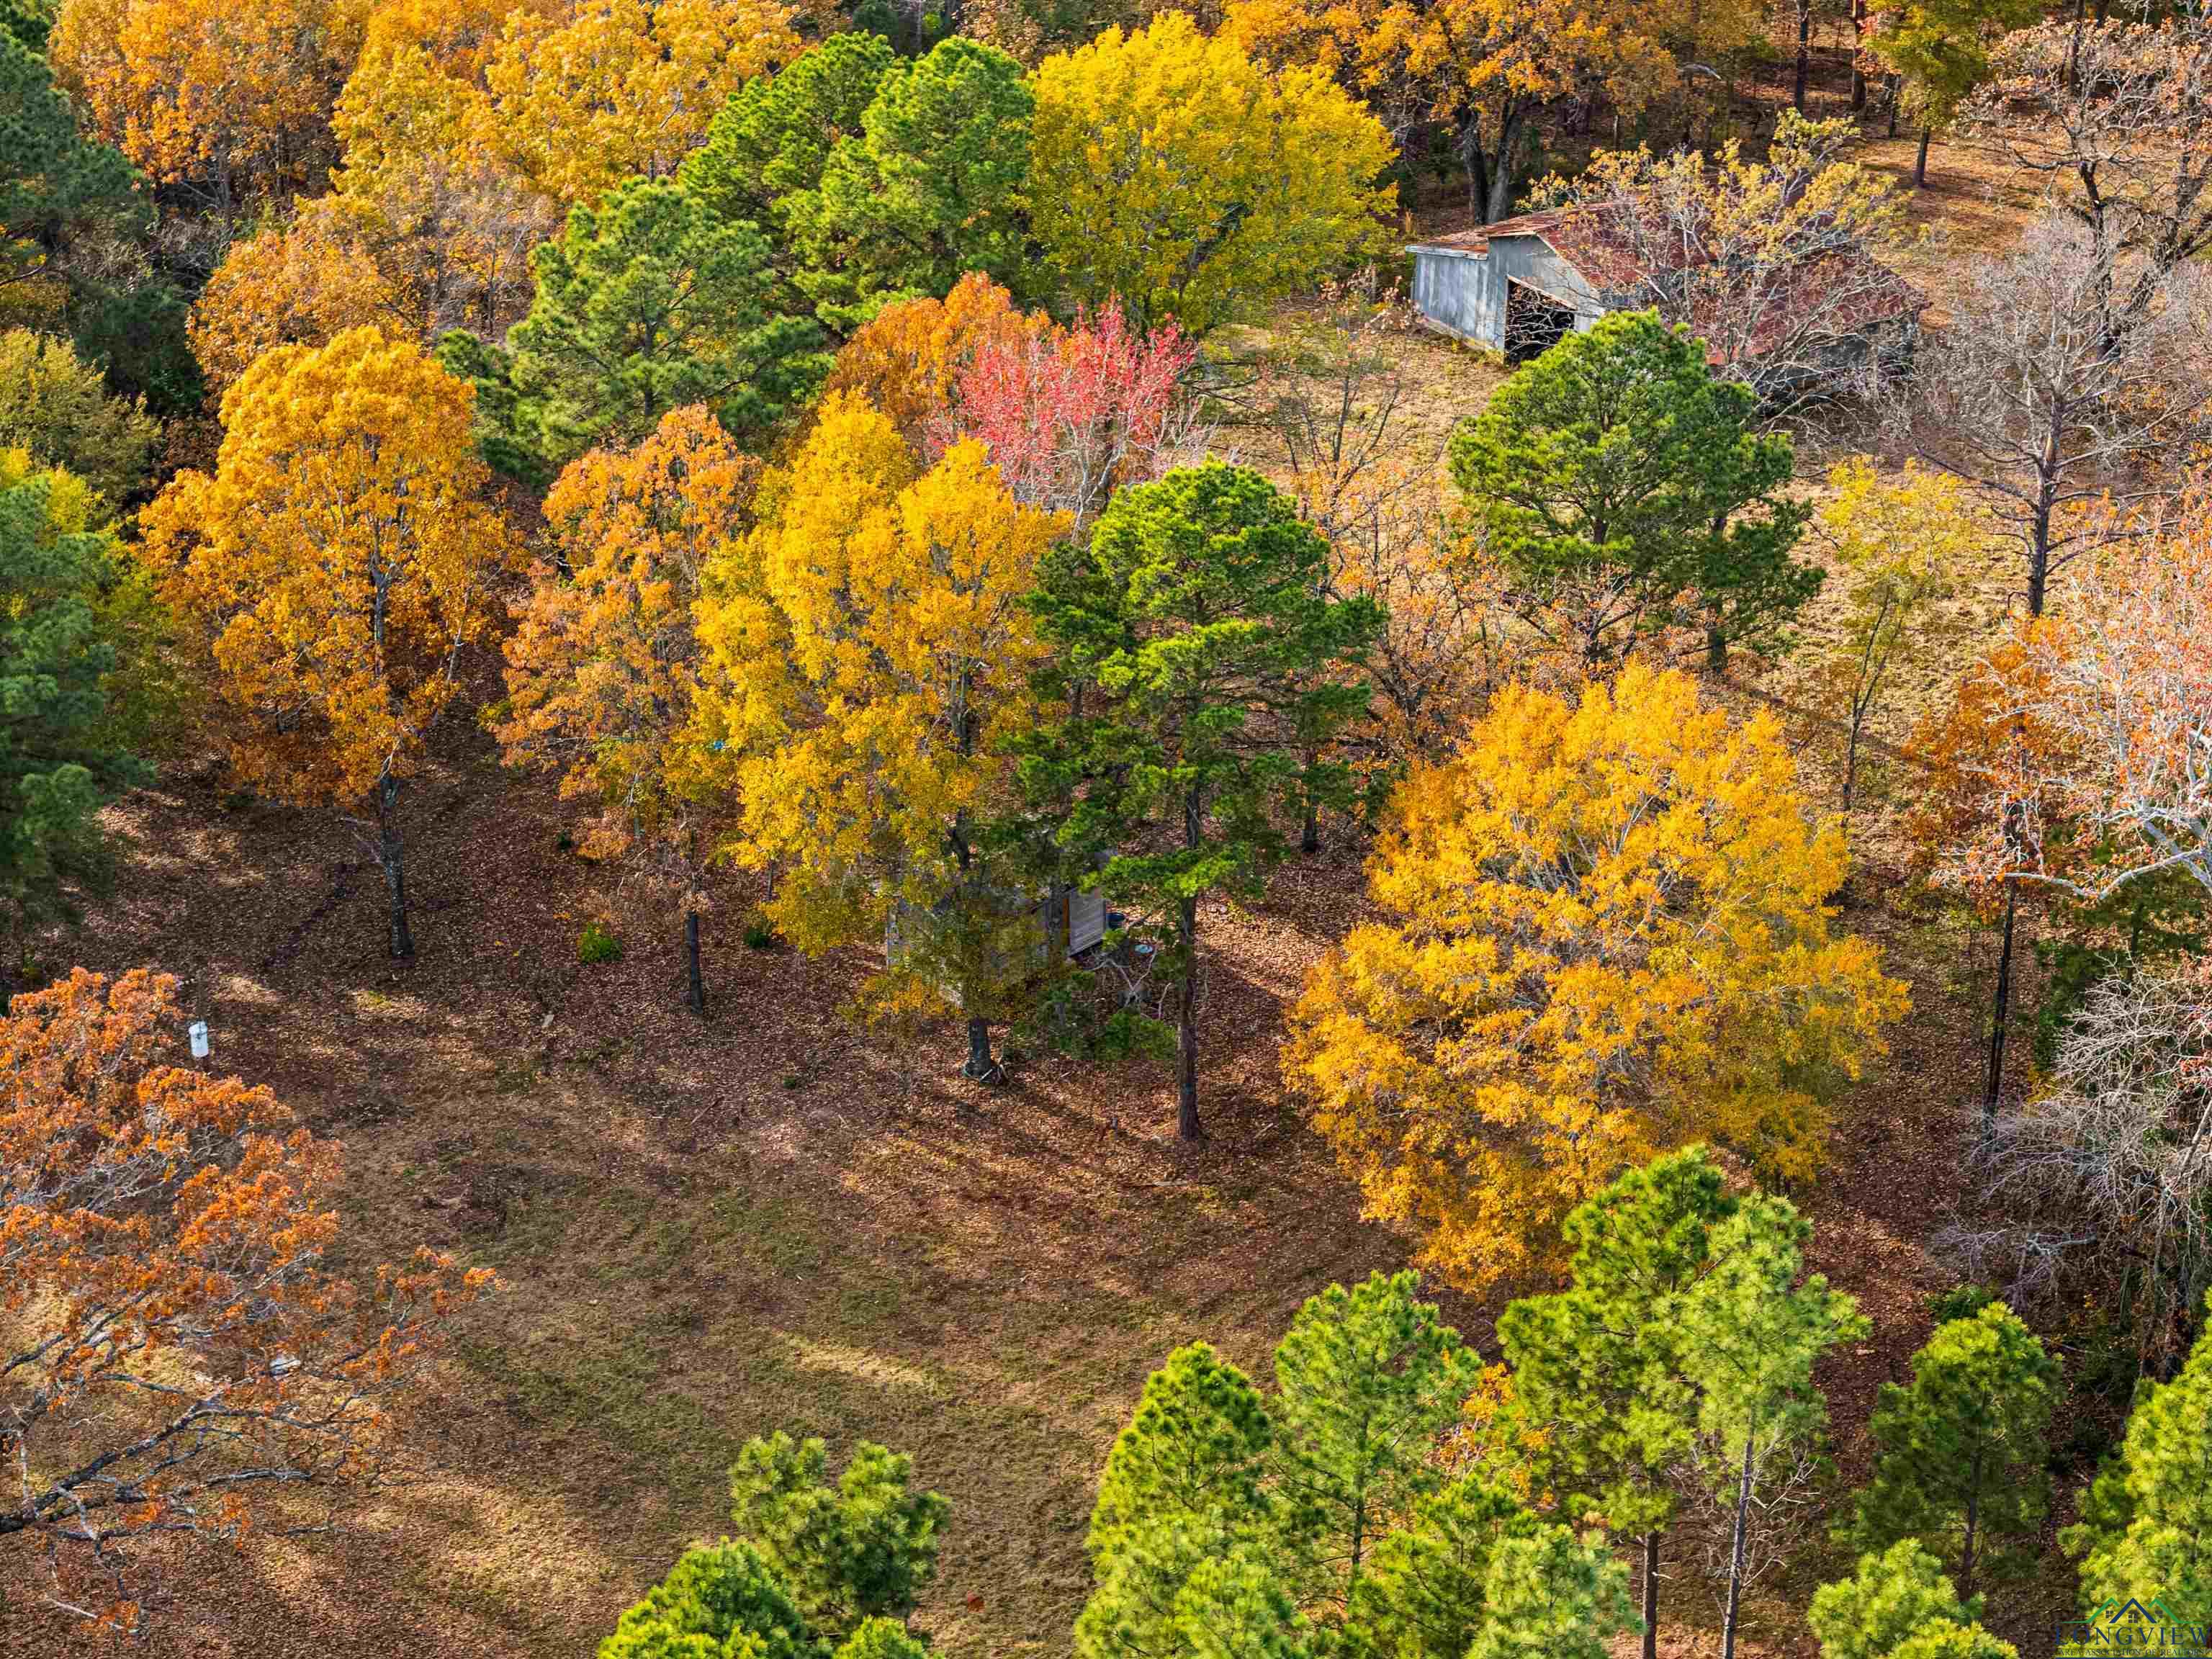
775, 1218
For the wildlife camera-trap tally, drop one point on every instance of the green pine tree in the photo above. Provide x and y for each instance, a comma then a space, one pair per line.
2146, 1531
1366, 1381
1597, 1369
929, 188
1235, 1606
1622, 487
1549, 1595
644, 303
1184, 1484
1424, 1596
1960, 1452
882, 1638
1751, 1333
53, 177
1198, 640
846, 1554
1943, 1641
59, 765
719, 1602
1888, 1597
766, 149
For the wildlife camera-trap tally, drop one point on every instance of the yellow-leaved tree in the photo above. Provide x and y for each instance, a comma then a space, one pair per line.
445, 216
333, 567
1172, 172
868, 652
1486, 71
1907, 542
425, 227
604, 661
1606, 933
227, 98
613, 88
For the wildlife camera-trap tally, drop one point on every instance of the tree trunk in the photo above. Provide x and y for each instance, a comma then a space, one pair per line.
979, 1066
1738, 1547
1651, 1596
390, 855
1716, 650
1499, 196
2039, 550
1310, 836
1851, 760
698, 997
1920, 164
1973, 1513
1893, 93
1858, 75
1804, 54
1993, 1086
1187, 1124
1478, 169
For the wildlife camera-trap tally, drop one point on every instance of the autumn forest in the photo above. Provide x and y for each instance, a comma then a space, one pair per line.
1372, 830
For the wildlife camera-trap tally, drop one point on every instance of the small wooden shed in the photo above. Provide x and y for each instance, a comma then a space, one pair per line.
1520, 285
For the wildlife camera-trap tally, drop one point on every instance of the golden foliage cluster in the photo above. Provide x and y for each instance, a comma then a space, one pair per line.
1606, 933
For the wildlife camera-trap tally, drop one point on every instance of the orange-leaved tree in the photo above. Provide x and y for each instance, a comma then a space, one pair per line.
602, 665
300, 283
2081, 741
907, 360
869, 651
179, 1351
1605, 933
225, 97
1484, 71
334, 566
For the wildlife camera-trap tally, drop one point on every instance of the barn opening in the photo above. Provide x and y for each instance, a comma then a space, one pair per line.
1534, 322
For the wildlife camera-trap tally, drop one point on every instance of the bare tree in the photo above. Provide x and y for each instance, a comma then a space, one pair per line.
2051, 406
1771, 262
1781, 1505
2106, 1175
2118, 117
2035, 397
2119, 787
1332, 394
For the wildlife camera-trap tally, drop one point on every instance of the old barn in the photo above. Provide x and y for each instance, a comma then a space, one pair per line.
1519, 285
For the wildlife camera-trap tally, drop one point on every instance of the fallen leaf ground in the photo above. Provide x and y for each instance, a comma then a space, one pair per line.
777, 1219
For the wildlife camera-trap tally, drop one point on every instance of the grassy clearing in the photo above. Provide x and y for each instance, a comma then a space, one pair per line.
771, 1219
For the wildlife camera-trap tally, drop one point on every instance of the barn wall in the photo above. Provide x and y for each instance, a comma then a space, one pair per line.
1465, 292
1460, 293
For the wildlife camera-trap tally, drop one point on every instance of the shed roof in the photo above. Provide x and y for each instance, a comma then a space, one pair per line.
1589, 239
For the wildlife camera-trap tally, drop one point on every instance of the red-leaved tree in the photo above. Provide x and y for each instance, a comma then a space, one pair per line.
176, 1354
1070, 415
